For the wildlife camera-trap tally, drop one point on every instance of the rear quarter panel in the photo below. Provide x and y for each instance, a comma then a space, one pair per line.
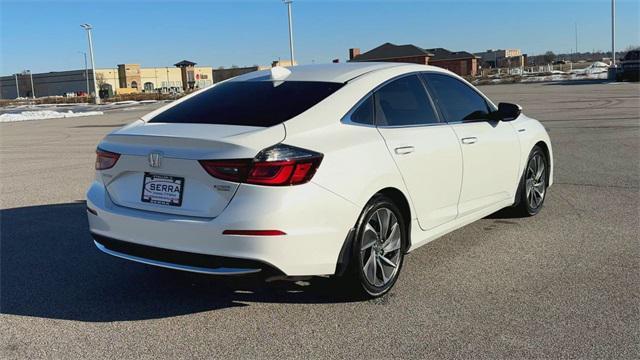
356, 162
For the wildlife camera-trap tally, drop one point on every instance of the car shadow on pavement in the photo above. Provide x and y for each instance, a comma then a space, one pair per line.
579, 82
50, 268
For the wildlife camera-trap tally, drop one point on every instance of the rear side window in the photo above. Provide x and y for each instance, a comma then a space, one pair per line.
363, 114
404, 102
457, 100
249, 103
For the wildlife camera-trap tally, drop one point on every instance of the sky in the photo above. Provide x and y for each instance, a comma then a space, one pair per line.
45, 35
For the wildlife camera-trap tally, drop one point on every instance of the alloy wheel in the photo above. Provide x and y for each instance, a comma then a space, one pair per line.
535, 181
381, 247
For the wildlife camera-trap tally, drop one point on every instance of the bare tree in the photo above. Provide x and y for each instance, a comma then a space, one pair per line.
549, 57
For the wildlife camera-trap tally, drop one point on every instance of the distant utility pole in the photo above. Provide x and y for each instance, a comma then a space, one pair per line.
167, 68
17, 87
33, 90
576, 40
86, 71
613, 33
88, 28
288, 3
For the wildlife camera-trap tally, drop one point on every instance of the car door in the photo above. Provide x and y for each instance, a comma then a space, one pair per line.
425, 149
490, 149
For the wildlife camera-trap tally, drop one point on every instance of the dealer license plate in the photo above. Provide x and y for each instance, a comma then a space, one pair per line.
162, 189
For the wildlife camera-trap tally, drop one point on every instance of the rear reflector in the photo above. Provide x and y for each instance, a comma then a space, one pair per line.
254, 232
105, 159
279, 165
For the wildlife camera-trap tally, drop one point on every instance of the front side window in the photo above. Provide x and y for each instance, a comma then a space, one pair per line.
404, 102
249, 103
456, 100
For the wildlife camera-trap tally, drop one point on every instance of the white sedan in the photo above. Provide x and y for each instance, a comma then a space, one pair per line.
337, 169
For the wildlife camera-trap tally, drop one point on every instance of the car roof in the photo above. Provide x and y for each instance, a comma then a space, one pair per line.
339, 73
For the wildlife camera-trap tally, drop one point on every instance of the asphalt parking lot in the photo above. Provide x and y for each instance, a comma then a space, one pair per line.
563, 284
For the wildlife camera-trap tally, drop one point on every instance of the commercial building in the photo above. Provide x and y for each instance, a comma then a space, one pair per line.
460, 62
45, 84
131, 78
222, 74
506, 58
122, 79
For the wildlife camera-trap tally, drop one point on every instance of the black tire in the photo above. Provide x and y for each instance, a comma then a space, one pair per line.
355, 278
530, 199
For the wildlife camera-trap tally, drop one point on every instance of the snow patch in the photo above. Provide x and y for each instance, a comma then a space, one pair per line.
45, 114
126, 102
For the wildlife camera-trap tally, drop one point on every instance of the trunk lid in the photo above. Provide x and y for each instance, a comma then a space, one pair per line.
176, 149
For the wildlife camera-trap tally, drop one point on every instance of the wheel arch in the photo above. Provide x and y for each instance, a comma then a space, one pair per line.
545, 149
547, 153
401, 201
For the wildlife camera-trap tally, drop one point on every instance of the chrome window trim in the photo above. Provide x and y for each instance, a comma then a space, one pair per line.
411, 126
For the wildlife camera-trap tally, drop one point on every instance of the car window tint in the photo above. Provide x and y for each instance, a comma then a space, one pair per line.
404, 102
249, 103
456, 100
363, 114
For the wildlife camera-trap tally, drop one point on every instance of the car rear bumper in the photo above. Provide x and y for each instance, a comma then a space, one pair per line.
178, 260
315, 221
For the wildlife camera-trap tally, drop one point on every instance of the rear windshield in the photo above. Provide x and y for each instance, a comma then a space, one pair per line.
249, 103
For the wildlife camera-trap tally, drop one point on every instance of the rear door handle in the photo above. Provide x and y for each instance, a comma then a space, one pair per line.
403, 150
469, 140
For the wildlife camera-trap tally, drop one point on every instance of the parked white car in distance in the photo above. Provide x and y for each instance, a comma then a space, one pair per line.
336, 169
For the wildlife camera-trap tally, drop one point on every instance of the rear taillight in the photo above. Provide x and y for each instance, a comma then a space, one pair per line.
279, 165
105, 159
231, 170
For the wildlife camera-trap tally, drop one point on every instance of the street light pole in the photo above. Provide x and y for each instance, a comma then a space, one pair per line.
613, 33
88, 27
288, 3
86, 71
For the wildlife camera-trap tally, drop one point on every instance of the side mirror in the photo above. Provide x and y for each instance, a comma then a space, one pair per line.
508, 112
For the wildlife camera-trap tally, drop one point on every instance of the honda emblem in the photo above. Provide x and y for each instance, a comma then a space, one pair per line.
154, 159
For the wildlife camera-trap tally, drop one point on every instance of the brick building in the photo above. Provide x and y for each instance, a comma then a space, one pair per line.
392, 53
460, 62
